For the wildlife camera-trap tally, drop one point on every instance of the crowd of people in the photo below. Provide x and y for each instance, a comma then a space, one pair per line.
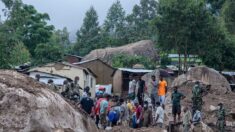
143, 107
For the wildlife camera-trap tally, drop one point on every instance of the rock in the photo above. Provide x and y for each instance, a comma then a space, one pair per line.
205, 75
213, 108
147, 78
142, 48
26, 105
128, 129
216, 90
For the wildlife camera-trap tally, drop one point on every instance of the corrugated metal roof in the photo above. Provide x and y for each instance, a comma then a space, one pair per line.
229, 73
135, 70
177, 55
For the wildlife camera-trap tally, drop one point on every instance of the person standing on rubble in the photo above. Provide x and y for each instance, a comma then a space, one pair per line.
66, 89
187, 118
197, 118
140, 90
176, 97
132, 87
147, 114
159, 115
37, 77
87, 104
197, 97
154, 93
221, 122
162, 90
124, 113
74, 93
52, 86
76, 85
104, 104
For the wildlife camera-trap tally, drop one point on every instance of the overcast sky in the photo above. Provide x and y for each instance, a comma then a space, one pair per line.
70, 13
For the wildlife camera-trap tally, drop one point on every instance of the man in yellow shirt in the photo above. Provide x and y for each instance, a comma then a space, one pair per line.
162, 90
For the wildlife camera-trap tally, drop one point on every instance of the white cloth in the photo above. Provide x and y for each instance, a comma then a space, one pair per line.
160, 113
132, 86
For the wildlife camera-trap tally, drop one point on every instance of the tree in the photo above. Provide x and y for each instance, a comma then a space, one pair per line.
30, 26
182, 26
88, 36
19, 55
61, 37
8, 41
123, 60
228, 16
188, 27
46, 53
114, 26
215, 5
139, 22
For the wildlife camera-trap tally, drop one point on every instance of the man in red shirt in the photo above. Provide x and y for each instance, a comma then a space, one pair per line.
139, 114
97, 109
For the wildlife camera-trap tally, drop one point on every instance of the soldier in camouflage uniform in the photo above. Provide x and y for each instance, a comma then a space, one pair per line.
52, 86
197, 97
65, 89
221, 123
74, 91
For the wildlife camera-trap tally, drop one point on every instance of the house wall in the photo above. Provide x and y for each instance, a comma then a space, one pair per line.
67, 71
45, 77
117, 83
103, 72
91, 81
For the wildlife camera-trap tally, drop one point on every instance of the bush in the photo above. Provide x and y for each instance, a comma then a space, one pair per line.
123, 60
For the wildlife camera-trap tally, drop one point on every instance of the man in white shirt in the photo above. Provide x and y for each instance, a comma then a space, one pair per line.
187, 117
159, 115
132, 87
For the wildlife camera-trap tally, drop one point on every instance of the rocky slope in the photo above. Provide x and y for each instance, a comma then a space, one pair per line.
142, 48
26, 105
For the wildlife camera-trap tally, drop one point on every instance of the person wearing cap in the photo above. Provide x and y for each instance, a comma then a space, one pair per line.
104, 106
147, 114
221, 122
100, 98
52, 85
197, 97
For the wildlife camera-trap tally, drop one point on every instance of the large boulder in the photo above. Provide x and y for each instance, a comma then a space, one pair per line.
216, 89
157, 72
207, 76
26, 105
142, 48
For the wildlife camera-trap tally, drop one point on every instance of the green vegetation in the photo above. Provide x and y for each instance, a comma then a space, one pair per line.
123, 60
199, 27
190, 27
118, 28
26, 36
